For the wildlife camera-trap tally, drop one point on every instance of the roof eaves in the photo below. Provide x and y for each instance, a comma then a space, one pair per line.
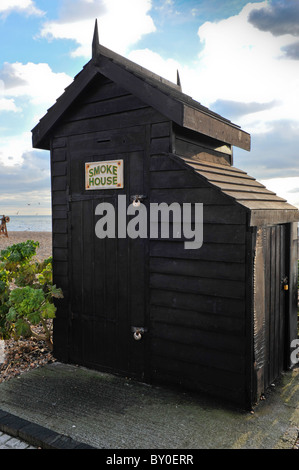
55, 112
133, 67
196, 116
264, 206
213, 126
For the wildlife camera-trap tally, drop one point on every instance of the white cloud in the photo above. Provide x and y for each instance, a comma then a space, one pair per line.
30, 85
13, 147
243, 67
8, 105
23, 6
16, 204
35, 81
242, 63
238, 63
287, 188
121, 24
23, 87
25, 186
166, 68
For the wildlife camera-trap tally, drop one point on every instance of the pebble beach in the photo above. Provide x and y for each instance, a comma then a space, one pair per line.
44, 239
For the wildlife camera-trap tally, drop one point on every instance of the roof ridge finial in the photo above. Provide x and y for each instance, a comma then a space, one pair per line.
178, 80
95, 41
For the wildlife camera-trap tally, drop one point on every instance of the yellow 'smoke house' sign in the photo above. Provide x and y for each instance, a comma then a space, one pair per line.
104, 175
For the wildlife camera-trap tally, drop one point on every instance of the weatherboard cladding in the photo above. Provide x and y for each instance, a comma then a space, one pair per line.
197, 304
163, 95
192, 115
263, 205
197, 323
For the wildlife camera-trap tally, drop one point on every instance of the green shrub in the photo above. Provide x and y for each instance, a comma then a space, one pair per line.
26, 293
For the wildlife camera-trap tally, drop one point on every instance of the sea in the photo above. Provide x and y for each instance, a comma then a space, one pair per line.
39, 223
30, 223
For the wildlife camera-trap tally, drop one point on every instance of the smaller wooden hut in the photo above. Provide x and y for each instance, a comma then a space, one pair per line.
220, 318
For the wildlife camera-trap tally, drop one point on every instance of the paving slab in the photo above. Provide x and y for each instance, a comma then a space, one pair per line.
90, 408
11, 443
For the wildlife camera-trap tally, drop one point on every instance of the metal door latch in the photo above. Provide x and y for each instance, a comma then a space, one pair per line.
137, 199
138, 331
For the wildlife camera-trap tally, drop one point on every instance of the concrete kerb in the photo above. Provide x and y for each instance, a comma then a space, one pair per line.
37, 435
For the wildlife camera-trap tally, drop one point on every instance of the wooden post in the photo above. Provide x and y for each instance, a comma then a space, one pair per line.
3, 228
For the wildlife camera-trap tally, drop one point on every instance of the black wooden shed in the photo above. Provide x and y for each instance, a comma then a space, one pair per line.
220, 318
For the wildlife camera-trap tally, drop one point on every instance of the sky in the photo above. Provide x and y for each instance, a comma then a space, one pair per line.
238, 58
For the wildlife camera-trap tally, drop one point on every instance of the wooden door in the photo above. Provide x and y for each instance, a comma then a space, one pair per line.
270, 300
276, 280
107, 279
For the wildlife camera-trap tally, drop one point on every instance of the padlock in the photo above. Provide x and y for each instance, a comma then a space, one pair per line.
137, 335
138, 332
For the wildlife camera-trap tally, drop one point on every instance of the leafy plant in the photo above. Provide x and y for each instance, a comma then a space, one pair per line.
26, 293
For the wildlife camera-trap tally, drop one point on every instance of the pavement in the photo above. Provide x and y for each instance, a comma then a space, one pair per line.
13, 443
61, 406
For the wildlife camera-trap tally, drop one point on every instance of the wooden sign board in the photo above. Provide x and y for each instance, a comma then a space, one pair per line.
104, 175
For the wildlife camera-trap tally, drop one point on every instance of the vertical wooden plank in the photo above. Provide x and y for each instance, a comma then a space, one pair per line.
111, 303
87, 266
60, 270
123, 320
76, 259
291, 316
259, 312
75, 283
272, 303
99, 271
250, 385
99, 292
105, 292
136, 248
267, 253
87, 260
277, 299
111, 288
88, 341
149, 130
282, 297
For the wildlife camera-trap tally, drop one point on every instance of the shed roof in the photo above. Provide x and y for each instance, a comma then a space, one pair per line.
152, 89
262, 205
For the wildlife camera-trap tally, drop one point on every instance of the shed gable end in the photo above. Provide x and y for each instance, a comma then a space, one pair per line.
164, 96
